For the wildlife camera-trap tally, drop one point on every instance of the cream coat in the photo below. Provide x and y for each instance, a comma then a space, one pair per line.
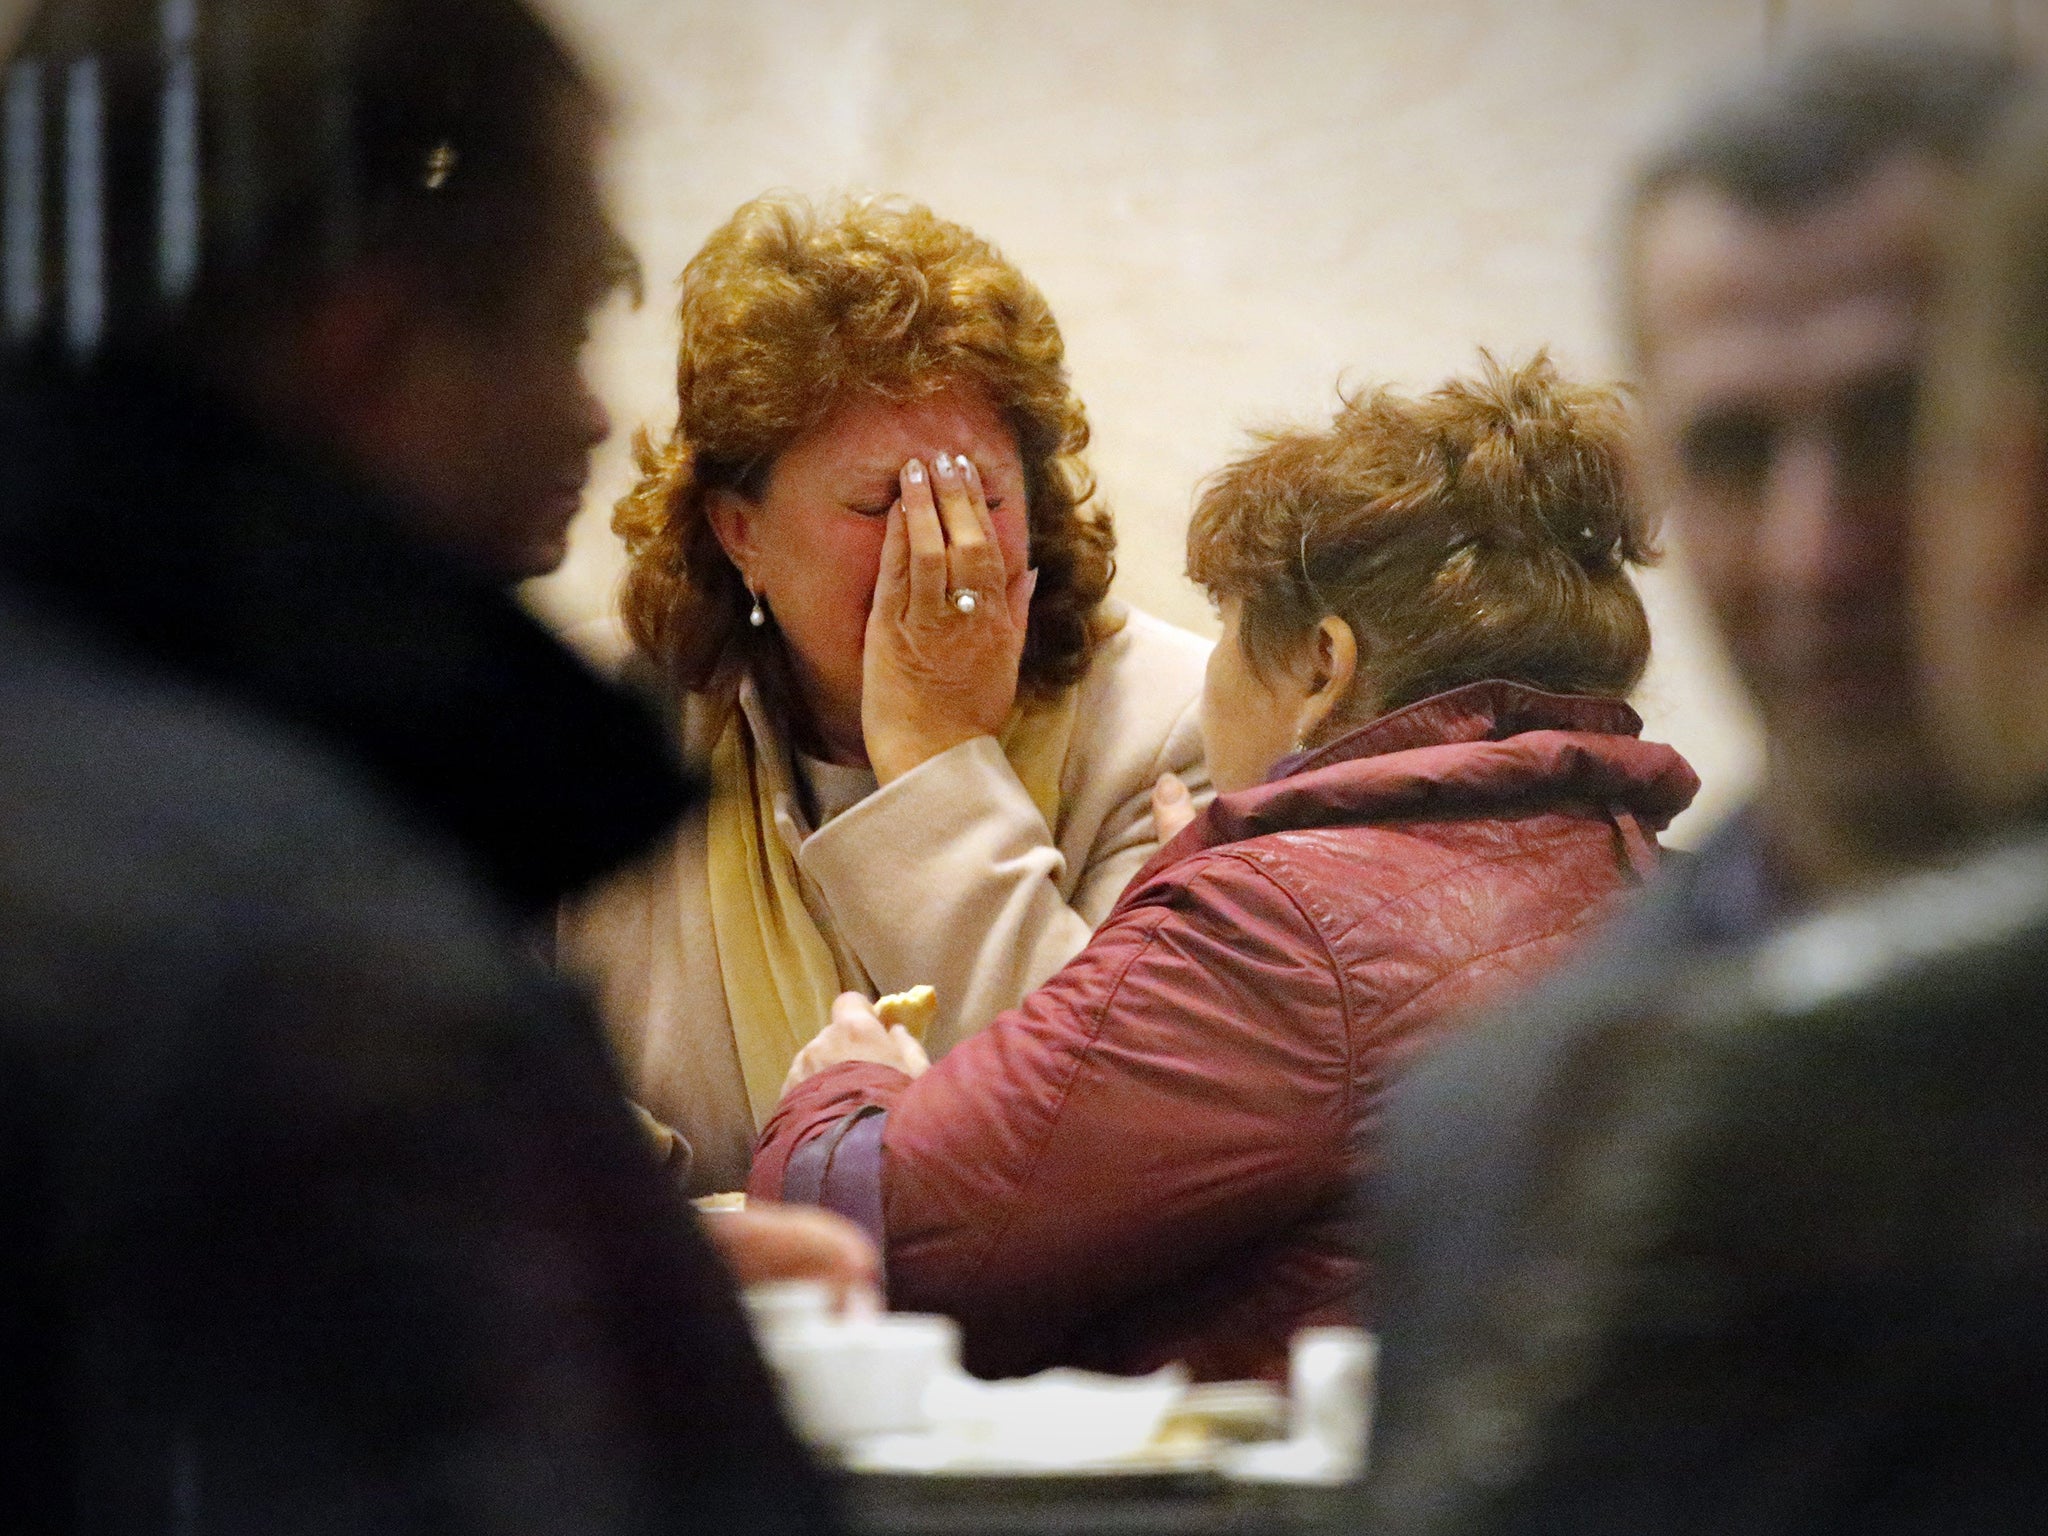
948, 875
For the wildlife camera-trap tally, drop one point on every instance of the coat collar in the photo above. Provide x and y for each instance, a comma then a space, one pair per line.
209, 550
1492, 710
1488, 747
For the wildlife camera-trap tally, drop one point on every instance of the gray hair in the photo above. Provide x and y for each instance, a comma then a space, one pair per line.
1995, 304
1810, 128
163, 159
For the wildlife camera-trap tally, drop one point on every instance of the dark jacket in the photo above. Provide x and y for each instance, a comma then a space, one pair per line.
1152, 1157
1777, 1260
1462, 1128
322, 1210
267, 577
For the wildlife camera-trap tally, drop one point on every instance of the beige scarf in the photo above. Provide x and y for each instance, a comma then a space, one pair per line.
780, 976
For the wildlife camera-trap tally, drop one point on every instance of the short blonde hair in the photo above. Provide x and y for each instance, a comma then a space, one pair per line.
1481, 531
786, 312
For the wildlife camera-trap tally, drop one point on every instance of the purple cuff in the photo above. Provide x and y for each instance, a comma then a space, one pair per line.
841, 1170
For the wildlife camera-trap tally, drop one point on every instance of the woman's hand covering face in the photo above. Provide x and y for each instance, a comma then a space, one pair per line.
940, 669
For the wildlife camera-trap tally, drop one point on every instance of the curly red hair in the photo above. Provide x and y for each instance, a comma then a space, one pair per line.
787, 311
1484, 530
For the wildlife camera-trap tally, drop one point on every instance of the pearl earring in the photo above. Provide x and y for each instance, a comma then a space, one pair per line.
759, 615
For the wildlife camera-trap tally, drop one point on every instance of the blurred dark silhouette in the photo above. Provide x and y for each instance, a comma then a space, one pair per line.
1747, 1220
305, 477
323, 1210
1782, 1260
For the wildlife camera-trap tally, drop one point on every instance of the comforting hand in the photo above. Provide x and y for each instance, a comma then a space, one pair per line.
934, 676
794, 1242
1172, 806
856, 1034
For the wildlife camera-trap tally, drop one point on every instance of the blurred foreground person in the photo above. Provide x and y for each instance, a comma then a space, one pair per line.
1782, 250
1430, 787
1784, 1266
323, 1210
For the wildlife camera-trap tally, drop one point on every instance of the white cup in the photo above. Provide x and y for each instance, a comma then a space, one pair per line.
1329, 1390
843, 1379
782, 1304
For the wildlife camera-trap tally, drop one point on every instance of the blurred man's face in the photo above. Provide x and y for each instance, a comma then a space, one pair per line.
498, 427
486, 423
1780, 361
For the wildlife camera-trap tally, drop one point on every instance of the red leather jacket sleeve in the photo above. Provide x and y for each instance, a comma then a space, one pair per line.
811, 1109
1182, 1088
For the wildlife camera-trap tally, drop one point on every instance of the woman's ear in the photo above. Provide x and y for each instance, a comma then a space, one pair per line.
731, 517
1332, 670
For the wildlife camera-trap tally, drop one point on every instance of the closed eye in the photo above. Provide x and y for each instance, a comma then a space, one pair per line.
995, 504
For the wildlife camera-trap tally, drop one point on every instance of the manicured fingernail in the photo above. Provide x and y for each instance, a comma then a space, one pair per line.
965, 465
945, 464
914, 472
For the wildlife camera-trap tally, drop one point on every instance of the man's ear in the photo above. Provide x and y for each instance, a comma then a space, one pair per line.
1982, 573
1332, 669
2016, 452
333, 367
1993, 480
353, 343
731, 517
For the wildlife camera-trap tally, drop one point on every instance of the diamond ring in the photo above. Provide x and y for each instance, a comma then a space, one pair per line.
966, 600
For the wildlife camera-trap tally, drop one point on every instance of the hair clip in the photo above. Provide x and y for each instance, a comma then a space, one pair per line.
441, 160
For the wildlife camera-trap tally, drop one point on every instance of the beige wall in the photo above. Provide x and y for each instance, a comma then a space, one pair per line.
1230, 204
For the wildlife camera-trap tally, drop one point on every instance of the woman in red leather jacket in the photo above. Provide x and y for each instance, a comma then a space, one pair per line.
1430, 787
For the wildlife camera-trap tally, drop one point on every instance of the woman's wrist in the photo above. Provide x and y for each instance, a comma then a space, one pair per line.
892, 759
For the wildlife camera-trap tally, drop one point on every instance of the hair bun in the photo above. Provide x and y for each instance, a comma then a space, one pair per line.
1537, 464
1476, 532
